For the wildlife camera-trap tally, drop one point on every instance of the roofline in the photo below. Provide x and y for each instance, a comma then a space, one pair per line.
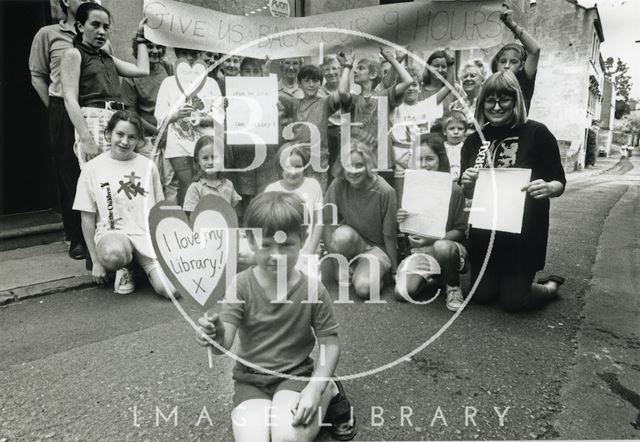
597, 21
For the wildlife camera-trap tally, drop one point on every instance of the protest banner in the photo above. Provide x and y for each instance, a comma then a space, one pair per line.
505, 197
426, 197
423, 25
252, 110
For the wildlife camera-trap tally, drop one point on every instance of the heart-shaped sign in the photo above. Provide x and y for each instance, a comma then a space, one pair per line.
198, 256
190, 79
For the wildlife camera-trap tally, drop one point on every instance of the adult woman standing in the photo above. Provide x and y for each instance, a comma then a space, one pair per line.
90, 82
514, 142
472, 75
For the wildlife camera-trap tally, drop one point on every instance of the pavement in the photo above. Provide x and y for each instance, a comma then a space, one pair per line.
90, 365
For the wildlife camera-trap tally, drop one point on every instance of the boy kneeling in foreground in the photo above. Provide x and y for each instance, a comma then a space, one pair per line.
278, 333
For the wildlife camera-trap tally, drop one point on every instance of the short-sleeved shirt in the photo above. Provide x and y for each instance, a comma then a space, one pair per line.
201, 188
453, 153
409, 120
181, 134
364, 110
316, 111
456, 217
47, 48
371, 211
140, 93
121, 193
293, 91
527, 85
99, 80
279, 336
531, 146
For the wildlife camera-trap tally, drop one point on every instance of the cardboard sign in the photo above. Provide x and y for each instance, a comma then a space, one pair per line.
502, 203
190, 79
426, 197
199, 256
252, 115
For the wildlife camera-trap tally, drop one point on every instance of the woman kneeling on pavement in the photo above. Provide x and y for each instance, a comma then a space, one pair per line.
515, 141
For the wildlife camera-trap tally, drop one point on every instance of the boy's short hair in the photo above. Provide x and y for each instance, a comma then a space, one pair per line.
292, 148
373, 66
275, 211
310, 72
454, 117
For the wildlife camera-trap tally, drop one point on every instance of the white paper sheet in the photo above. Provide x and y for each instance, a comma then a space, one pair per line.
426, 197
509, 199
252, 110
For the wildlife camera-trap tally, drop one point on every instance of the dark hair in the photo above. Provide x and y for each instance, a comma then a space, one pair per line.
275, 211
123, 115
427, 78
508, 47
82, 15
134, 46
207, 140
310, 72
292, 149
250, 61
502, 83
435, 142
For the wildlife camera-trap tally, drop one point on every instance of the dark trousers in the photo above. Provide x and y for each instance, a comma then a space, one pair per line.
61, 139
514, 292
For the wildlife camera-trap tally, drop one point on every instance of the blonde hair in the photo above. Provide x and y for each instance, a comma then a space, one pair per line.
502, 83
358, 146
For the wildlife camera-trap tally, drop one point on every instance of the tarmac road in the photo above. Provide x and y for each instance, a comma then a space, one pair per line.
91, 365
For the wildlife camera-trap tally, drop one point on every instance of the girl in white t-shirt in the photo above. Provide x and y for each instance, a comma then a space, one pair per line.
293, 161
116, 191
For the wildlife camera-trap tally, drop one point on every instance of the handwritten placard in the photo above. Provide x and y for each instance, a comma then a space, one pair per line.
252, 113
499, 205
199, 255
426, 197
424, 25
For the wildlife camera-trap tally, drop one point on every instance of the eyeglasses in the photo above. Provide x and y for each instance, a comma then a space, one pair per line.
502, 101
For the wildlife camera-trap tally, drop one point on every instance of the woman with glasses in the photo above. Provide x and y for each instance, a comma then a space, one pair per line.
515, 141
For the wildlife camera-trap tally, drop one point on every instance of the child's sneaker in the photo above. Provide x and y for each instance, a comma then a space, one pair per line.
124, 282
455, 299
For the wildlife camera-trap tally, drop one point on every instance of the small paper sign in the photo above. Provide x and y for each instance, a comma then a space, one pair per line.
252, 114
426, 197
507, 195
198, 255
190, 79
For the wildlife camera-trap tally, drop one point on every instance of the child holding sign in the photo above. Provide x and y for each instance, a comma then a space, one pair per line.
115, 192
278, 327
513, 141
414, 272
208, 178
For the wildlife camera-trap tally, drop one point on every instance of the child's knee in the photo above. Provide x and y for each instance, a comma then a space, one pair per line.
114, 251
346, 241
445, 251
289, 433
362, 288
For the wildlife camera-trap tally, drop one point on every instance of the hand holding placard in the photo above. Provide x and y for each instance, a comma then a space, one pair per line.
199, 256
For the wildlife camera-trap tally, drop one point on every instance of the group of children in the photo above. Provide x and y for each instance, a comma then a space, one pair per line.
338, 181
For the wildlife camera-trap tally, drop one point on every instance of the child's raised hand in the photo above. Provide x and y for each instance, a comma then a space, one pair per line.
141, 24
402, 215
306, 405
507, 16
387, 54
346, 57
211, 326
